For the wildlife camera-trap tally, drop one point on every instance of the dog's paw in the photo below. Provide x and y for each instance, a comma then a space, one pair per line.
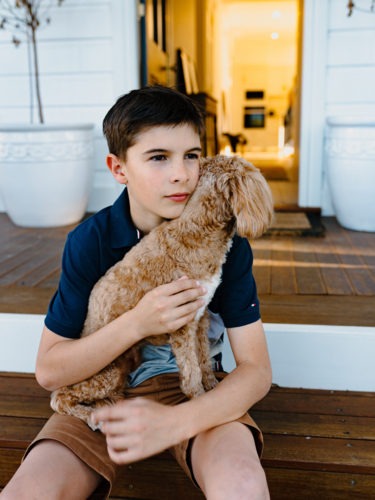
94, 427
197, 392
210, 382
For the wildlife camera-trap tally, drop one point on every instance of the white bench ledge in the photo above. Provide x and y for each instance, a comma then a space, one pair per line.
308, 356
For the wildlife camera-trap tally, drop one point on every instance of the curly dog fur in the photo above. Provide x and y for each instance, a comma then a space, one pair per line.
231, 196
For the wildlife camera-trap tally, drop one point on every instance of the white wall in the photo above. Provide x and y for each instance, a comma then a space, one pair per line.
350, 60
88, 56
344, 69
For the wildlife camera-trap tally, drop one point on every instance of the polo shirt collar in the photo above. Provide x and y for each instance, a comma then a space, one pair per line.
123, 231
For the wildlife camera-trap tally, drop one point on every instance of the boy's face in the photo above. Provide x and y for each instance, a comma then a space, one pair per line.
164, 161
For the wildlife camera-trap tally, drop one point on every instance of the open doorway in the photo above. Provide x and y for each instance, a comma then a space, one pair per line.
259, 60
244, 59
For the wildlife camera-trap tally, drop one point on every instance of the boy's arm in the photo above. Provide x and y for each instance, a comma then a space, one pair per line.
61, 361
249, 382
139, 428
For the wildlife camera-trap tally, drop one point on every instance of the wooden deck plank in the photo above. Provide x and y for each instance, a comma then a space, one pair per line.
20, 375
25, 406
262, 269
340, 406
151, 479
165, 478
9, 233
305, 437
364, 249
320, 392
357, 272
41, 273
16, 386
24, 300
297, 452
282, 269
15, 246
371, 238
335, 279
51, 281
36, 257
318, 309
19, 432
286, 484
324, 426
22, 257
292, 309
308, 274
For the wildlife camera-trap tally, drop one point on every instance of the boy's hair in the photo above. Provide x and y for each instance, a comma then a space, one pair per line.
144, 108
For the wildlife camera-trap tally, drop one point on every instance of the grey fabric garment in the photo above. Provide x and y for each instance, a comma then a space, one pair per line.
160, 359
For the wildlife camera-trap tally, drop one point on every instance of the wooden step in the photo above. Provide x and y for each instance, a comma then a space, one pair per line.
317, 444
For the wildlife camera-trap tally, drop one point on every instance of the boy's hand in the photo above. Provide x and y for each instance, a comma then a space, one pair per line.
168, 307
138, 428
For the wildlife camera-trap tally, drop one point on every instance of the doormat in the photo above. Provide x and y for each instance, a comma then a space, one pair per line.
273, 172
296, 224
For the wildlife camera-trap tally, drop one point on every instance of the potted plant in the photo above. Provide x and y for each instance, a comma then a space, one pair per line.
46, 170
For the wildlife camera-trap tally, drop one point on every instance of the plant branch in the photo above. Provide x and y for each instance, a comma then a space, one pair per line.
33, 19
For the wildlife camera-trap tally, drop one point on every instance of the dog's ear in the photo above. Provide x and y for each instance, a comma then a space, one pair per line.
251, 200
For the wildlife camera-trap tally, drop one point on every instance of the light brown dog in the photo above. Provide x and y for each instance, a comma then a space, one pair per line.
231, 196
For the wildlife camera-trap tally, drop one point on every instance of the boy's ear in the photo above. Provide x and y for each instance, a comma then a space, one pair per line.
116, 165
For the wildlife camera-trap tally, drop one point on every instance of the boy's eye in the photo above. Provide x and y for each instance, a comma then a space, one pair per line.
158, 158
192, 156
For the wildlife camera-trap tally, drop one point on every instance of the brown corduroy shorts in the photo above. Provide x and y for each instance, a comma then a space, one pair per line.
91, 446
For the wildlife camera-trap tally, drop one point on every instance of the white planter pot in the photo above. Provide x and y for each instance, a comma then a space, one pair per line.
46, 173
350, 164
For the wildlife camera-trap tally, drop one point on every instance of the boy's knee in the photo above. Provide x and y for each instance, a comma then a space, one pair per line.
246, 481
16, 489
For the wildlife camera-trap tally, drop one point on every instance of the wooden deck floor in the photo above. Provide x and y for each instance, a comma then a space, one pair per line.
318, 444
327, 280
342, 263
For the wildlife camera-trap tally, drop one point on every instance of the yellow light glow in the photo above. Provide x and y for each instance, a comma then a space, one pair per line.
274, 35
289, 263
281, 137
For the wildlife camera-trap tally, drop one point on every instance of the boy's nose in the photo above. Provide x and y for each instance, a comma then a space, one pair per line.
179, 173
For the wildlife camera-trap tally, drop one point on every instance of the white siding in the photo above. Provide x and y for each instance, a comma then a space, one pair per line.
88, 56
338, 61
350, 60
350, 67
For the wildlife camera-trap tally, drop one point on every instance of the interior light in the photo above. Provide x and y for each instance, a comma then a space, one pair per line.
274, 35
276, 14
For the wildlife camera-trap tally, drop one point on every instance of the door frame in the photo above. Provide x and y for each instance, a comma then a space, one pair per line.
313, 83
312, 115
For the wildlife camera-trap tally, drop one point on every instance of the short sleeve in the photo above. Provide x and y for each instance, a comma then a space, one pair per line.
68, 308
237, 295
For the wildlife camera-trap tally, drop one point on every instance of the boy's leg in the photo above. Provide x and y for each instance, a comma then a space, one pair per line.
52, 471
226, 465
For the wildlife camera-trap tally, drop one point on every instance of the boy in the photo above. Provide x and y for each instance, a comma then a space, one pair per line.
153, 136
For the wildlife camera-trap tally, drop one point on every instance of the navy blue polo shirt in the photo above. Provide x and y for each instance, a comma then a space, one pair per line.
101, 241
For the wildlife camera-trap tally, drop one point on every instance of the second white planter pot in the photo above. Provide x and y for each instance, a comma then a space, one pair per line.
350, 164
46, 173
